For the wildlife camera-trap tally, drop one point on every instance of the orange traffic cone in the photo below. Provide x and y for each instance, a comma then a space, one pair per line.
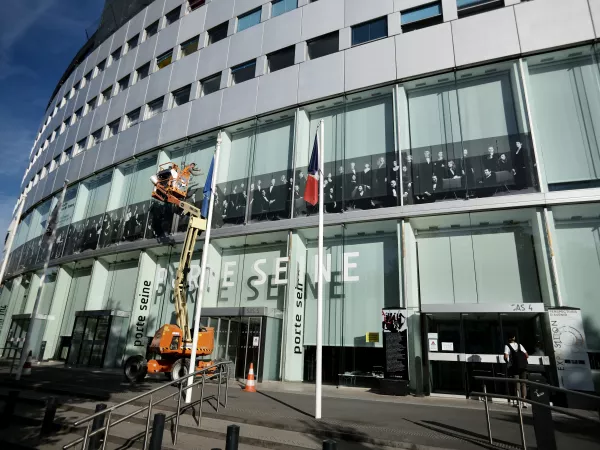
27, 365
250, 384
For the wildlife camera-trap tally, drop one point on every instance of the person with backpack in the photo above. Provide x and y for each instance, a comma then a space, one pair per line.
516, 356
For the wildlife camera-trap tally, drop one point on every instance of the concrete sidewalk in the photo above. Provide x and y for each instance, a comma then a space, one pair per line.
282, 414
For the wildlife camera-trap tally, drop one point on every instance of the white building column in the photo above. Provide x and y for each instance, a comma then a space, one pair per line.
95, 300
57, 309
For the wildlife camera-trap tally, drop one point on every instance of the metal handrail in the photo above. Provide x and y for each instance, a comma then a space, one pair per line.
520, 400
545, 386
108, 412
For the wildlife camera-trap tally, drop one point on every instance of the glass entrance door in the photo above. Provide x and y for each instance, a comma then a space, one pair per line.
89, 340
463, 346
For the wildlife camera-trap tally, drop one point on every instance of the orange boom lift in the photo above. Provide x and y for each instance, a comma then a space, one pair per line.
171, 346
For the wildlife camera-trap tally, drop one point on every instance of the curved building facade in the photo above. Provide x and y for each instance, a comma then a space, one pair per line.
462, 166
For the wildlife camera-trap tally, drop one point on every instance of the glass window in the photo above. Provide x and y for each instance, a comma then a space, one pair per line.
190, 46
123, 83
76, 298
360, 261
96, 138
133, 117
100, 68
181, 96
282, 6
468, 7
151, 30
218, 33
91, 105
210, 85
243, 72
129, 202
55, 163
107, 94
116, 55
324, 45
154, 107
468, 136
487, 257
142, 72
281, 59
577, 242
271, 179
568, 78
173, 16
369, 31
232, 177
64, 126
66, 155
164, 60
112, 128
195, 4
249, 19
77, 115
80, 146
86, 225
86, 78
119, 292
421, 17
133, 42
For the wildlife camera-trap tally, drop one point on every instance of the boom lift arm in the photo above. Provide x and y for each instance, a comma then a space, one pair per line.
172, 344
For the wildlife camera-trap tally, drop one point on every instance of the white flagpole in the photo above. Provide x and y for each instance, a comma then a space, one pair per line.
320, 275
200, 296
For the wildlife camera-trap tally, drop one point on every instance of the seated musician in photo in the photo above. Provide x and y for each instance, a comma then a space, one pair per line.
361, 198
452, 171
490, 161
299, 202
393, 194
487, 184
504, 163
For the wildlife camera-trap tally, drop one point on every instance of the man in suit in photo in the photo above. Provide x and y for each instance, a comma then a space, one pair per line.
425, 177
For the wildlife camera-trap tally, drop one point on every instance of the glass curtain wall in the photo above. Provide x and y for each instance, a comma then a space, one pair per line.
577, 241
232, 178
564, 94
19, 244
129, 202
64, 219
119, 291
37, 227
84, 231
465, 135
199, 151
270, 189
486, 257
361, 273
361, 167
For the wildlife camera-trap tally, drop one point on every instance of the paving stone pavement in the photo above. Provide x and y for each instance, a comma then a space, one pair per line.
280, 415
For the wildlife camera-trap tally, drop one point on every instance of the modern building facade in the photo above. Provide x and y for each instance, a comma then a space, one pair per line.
462, 184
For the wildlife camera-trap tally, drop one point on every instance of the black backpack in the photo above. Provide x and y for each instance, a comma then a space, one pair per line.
518, 360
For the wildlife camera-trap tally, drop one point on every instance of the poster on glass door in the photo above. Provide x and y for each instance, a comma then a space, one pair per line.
394, 324
570, 349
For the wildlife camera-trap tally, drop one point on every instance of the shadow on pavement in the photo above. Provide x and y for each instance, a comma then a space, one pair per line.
352, 438
464, 435
284, 403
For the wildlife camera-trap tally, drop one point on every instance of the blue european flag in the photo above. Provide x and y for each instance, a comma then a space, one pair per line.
207, 190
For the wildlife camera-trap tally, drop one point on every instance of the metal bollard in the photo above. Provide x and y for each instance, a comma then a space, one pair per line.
9, 408
158, 429
94, 443
329, 444
49, 415
233, 437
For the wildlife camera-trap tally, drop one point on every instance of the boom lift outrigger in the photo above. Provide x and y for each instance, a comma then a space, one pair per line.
171, 346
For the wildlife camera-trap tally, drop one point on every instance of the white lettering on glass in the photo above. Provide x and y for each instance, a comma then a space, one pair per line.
280, 268
348, 266
262, 276
228, 272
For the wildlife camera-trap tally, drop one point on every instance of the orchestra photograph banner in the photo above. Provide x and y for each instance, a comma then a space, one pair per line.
394, 324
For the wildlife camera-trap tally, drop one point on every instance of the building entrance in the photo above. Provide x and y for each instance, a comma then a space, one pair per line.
461, 346
238, 339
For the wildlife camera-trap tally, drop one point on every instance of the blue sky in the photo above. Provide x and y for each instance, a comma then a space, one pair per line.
38, 39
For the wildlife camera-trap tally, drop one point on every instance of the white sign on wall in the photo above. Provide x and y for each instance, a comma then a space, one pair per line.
433, 345
570, 349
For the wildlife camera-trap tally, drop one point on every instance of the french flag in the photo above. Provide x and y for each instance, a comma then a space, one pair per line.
311, 192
